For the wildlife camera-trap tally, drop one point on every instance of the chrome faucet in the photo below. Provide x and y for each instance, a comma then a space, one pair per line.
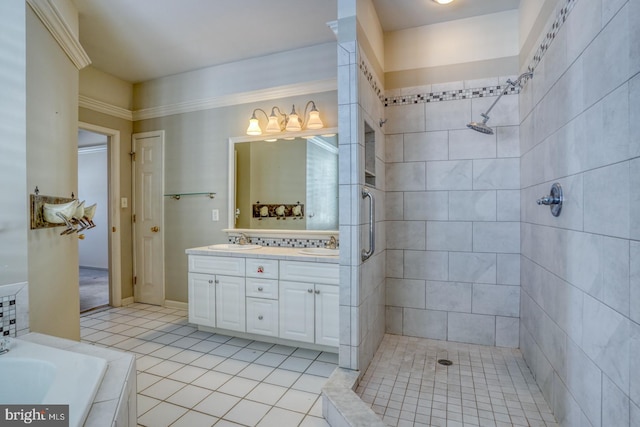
5, 343
243, 239
332, 243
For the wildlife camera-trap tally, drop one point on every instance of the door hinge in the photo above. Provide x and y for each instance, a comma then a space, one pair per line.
134, 217
133, 156
135, 280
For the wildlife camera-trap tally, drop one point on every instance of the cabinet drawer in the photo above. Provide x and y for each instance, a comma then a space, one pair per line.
262, 316
262, 268
310, 272
262, 288
216, 265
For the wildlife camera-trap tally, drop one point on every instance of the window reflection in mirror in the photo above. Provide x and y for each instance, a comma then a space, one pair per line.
286, 184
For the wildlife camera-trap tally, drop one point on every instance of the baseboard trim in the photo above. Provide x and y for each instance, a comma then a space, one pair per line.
126, 301
176, 304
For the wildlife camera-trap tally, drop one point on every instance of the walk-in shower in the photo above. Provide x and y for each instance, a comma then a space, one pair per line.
482, 126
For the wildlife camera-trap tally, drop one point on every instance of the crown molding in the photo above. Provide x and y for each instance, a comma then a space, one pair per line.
61, 31
205, 104
103, 107
236, 99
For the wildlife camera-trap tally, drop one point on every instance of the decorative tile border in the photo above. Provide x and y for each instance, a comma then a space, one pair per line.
373, 82
286, 243
8, 316
561, 17
453, 95
450, 95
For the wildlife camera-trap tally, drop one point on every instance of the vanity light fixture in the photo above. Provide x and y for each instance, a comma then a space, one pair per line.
443, 1
280, 122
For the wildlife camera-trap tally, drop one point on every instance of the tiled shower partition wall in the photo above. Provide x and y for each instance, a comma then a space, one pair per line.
362, 284
453, 212
580, 310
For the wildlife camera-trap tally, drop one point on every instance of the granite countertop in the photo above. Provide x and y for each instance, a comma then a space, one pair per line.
281, 253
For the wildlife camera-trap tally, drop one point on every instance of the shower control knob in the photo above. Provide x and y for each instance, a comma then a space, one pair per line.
553, 200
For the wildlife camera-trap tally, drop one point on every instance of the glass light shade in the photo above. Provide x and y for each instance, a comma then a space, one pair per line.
293, 125
314, 120
273, 126
443, 1
254, 127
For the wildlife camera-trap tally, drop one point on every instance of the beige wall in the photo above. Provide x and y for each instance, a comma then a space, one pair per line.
104, 87
52, 124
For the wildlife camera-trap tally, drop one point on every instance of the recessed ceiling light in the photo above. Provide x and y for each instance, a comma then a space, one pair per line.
443, 1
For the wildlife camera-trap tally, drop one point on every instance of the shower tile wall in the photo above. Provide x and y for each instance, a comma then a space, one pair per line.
362, 293
453, 212
580, 330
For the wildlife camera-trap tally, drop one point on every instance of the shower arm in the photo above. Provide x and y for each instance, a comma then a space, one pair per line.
485, 115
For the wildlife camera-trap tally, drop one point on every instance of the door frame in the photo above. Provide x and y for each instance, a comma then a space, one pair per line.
114, 237
134, 138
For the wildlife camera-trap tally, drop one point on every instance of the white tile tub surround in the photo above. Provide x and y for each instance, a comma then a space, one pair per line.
115, 401
580, 272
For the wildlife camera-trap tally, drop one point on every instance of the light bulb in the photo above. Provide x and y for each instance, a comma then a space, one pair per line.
314, 120
273, 126
293, 125
443, 1
254, 127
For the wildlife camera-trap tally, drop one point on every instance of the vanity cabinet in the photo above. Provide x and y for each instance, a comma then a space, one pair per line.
260, 297
217, 292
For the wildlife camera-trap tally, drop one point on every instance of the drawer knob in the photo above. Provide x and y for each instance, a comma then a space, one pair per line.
260, 269
260, 289
317, 291
310, 291
260, 317
217, 281
210, 281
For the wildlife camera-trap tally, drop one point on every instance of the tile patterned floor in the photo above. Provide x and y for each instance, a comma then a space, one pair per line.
190, 378
485, 386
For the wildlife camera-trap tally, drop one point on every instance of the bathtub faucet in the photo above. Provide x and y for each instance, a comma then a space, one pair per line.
5, 343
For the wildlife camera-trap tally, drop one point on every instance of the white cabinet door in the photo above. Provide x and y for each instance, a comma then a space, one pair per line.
327, 318
202, 299
230, 303
296, 311
262, 316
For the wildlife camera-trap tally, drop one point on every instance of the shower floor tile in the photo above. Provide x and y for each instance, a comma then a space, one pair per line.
483, 386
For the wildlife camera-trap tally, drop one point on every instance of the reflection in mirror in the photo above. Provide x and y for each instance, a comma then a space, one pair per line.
286, 184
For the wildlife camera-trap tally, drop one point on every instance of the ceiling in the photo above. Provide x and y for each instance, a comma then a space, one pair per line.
145, 39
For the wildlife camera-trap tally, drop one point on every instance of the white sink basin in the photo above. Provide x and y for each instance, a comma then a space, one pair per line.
233, 247
320, 251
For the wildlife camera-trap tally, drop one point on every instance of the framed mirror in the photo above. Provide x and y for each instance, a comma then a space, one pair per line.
284, 184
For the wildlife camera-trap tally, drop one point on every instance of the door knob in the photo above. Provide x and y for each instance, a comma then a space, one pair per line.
155, 229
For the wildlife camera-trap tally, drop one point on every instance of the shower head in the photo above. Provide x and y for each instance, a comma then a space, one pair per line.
482, 126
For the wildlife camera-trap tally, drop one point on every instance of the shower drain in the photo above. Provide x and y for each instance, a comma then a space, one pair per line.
445, 362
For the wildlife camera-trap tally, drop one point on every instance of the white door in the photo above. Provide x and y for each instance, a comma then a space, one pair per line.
148, 210
327, 318
230, 304
202, 299
296, 311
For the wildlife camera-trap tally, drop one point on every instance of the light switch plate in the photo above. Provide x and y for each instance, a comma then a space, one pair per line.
124, 202
215, 215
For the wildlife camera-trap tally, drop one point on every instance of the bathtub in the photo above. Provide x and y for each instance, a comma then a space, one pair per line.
39, 374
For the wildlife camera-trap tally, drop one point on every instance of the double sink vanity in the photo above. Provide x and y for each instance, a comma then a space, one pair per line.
284, 193
283, 295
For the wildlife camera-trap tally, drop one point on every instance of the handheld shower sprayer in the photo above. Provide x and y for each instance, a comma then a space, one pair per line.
482, 126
